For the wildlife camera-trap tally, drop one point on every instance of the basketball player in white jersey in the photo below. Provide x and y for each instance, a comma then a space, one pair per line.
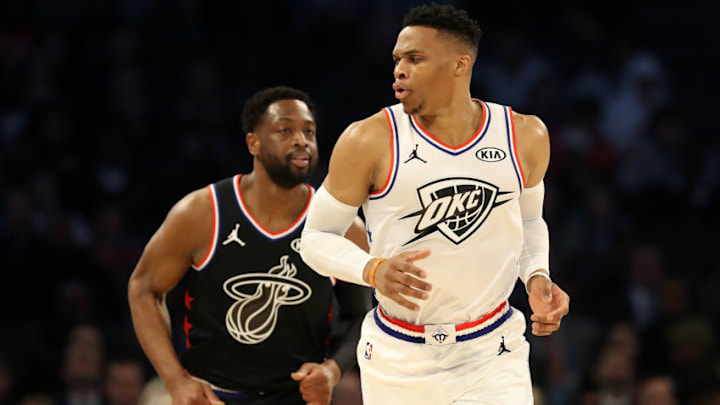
451, 188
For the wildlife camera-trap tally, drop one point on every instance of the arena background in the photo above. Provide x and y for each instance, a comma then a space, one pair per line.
110, 111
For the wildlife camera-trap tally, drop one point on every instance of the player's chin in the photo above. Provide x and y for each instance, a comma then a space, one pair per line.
301, 174
410, 107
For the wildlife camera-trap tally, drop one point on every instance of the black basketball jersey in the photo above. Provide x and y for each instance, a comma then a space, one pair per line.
254, 310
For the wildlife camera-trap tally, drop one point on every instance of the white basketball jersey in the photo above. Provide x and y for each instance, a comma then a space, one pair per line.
461, 203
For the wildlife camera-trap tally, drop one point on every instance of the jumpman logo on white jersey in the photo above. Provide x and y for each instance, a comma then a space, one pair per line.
233, 237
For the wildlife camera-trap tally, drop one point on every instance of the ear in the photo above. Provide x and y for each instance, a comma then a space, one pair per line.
463, 65
253, 143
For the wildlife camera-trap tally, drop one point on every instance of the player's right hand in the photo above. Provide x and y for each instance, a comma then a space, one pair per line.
186, 391
397, 278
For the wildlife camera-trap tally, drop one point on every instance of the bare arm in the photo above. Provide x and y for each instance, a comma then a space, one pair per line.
359, 164
533, 144
183, 237
357, 235
362, 146
359, 155
547, 300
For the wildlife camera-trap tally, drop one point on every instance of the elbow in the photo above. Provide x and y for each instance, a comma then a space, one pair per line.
138, 290
308, 250
133, 289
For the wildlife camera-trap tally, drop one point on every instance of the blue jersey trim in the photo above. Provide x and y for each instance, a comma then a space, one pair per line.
463, 150
512, 151
396, 146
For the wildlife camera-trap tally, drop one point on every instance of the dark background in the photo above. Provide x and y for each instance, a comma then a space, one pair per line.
110, 111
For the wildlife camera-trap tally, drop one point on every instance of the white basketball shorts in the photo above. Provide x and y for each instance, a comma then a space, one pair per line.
480, 362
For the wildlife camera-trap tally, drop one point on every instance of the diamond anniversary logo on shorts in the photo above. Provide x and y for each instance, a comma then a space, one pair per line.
455, 207
440, 335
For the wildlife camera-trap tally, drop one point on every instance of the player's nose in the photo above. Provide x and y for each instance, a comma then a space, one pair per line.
401, 71
299, 139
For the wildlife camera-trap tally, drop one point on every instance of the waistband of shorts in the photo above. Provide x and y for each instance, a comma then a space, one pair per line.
443, 334
223, 393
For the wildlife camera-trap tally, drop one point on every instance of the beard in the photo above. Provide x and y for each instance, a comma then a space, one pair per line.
413, 110
283, 173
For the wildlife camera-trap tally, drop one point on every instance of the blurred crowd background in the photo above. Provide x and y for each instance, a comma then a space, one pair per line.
112, 110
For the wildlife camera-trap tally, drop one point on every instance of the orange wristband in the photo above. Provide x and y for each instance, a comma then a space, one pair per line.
371, 276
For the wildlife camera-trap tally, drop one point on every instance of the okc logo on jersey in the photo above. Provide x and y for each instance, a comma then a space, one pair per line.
456, 207
259, 296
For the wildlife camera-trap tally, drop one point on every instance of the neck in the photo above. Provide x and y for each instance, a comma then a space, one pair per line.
455, 122
273, 206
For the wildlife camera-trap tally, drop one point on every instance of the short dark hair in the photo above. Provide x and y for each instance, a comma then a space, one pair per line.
258, 104
448, 20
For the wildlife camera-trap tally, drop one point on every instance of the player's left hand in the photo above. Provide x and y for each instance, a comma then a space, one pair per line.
549, 304
317, 381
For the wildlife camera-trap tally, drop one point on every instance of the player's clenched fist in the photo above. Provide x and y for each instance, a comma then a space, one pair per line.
317, 381
397, 277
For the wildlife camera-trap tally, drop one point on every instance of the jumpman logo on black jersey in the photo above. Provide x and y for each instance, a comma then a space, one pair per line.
414, 155
502, 348
233, 237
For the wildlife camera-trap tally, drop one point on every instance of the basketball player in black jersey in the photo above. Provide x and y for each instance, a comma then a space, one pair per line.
257, 319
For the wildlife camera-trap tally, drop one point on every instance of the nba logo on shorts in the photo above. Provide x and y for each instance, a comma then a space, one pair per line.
368, 350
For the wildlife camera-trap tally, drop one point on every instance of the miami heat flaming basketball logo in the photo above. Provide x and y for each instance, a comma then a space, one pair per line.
259, 296
456, 207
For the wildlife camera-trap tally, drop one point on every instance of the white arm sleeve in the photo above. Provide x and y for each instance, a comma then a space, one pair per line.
323, 245
534, 259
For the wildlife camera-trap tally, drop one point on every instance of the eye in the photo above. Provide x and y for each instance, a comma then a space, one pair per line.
310, 132
415, 59
285, 130
396, 61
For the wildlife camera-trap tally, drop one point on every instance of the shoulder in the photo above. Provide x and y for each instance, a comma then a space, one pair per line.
533, 146
529, 128
193, 210
358, 156
370, 132
186, 229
